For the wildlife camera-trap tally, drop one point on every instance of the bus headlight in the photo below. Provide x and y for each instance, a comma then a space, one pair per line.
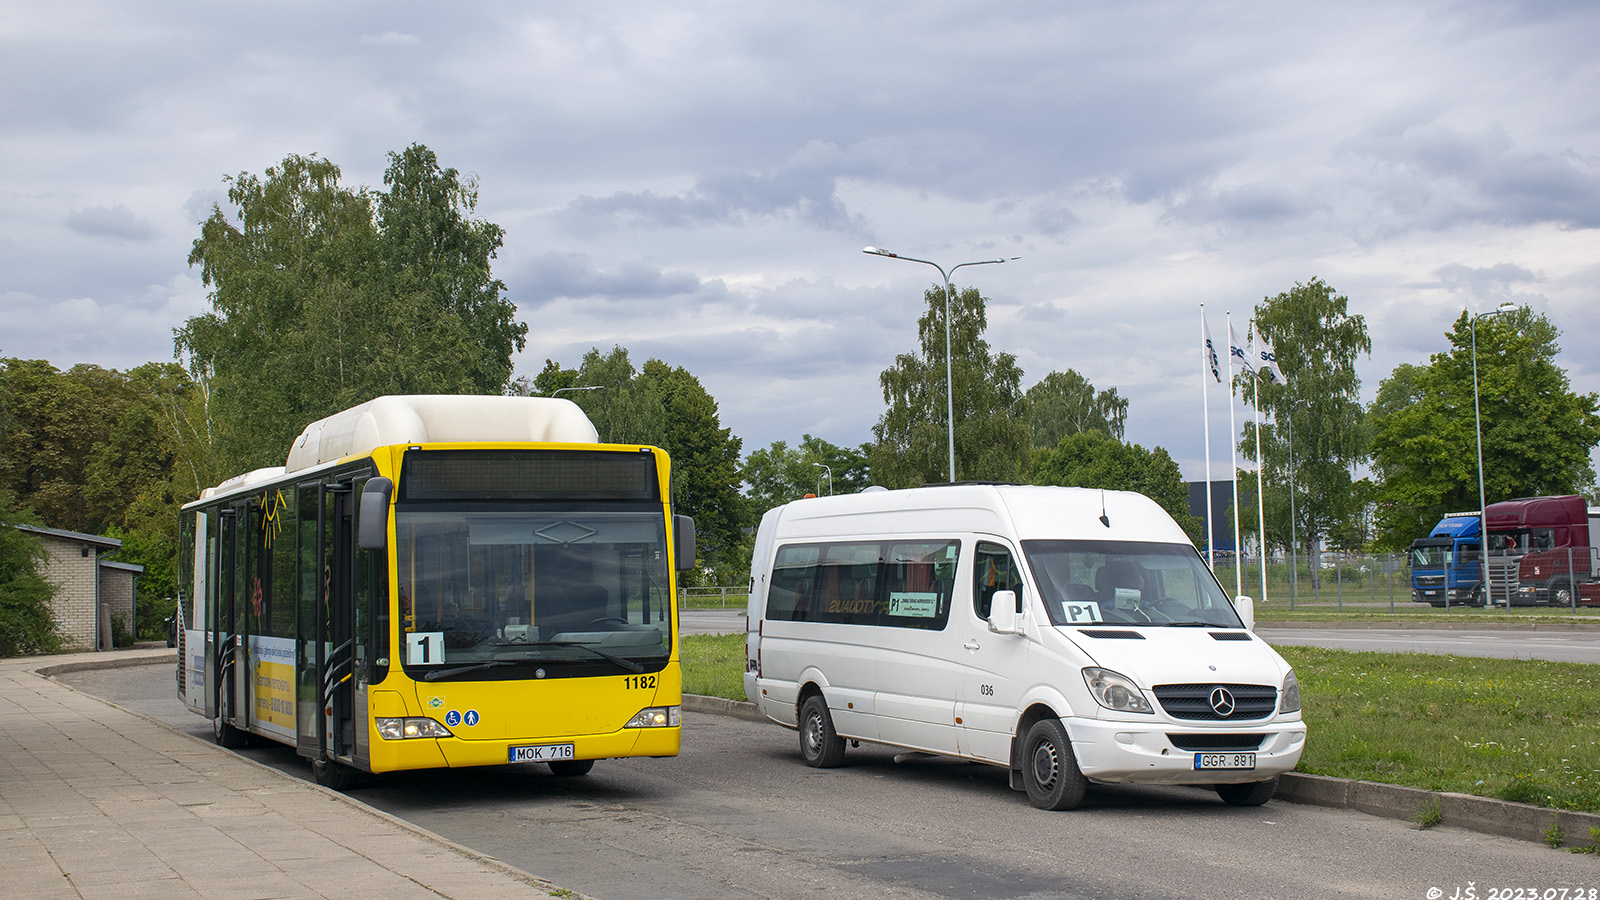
1115, 691
403, 729
1291, 694
657, 717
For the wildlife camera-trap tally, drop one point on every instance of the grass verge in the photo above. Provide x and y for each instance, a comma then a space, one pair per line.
1522, 730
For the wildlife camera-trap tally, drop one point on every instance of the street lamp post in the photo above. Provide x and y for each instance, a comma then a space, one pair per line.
1477, 428
825, 468
949, 389
592, 387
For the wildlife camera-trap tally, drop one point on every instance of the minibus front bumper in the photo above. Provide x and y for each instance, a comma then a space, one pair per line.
1167, 752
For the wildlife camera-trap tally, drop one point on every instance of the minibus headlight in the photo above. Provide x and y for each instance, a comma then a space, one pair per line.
1115, 691
1291, 694
398, 729
657, 717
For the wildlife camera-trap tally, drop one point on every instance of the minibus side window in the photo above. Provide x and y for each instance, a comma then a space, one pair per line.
847, 584
993, 570
791, 595
921, 578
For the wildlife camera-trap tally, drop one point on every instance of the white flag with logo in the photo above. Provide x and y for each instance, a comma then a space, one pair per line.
1237, 351
1210, 351
1266, 360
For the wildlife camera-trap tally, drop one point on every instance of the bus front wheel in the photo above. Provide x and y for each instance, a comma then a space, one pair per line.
331, 775
570, 768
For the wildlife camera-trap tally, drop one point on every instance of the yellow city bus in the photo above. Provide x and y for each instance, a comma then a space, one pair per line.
439, 581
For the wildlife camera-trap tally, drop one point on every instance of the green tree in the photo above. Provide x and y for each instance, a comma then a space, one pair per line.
780, 473
624, 409
1095, 459
1537, 433
1317, 411
105, 452
991, 428
26, 622
325, 296
705, 462
1066, 403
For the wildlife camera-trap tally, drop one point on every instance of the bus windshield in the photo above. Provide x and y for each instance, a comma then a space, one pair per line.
532, 594
1127, 583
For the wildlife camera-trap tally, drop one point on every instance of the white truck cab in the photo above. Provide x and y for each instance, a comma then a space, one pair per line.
1068, 634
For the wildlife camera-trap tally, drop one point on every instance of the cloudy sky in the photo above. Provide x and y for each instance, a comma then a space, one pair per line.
695, 181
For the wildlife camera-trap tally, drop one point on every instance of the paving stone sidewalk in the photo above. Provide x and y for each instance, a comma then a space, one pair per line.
97, 801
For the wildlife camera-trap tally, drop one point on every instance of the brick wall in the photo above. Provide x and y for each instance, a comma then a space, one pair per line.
116, 593
75, 577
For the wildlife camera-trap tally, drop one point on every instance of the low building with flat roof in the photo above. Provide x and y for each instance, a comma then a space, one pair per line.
91, 591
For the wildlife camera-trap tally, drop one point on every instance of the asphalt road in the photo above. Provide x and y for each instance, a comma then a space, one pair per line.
737, 815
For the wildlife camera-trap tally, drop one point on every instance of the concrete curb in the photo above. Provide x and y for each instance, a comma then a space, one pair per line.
1483, 815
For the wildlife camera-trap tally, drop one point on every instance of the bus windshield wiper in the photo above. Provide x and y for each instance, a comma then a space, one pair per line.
437, 674
628, 664
1191, 624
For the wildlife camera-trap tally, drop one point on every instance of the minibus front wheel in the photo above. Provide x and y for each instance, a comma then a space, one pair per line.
820, 745
1253, 793
1049, 770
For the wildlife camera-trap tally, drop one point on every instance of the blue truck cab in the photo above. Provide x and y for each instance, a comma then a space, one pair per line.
1445, 568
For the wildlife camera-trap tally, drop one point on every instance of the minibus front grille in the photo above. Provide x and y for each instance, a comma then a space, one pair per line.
1218, 702
1215, 743
1113, 635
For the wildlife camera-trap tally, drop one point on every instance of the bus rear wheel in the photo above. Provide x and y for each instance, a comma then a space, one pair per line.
570, 768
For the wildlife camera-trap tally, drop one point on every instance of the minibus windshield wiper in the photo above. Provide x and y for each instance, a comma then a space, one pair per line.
1191, 624
628, 664
437, 674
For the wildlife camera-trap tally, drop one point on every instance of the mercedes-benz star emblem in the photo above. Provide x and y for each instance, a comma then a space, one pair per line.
1221, 702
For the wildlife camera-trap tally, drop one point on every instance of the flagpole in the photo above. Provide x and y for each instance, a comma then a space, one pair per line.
1261, 509
1233, 448
1206, 374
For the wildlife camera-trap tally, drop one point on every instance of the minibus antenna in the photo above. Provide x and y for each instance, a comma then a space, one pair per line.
1103, 519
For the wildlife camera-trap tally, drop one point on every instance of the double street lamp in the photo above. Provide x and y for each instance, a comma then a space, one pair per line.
949, 390
1477, 427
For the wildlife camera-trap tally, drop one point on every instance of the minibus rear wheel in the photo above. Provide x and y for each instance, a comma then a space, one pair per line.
820, 745
1049, 770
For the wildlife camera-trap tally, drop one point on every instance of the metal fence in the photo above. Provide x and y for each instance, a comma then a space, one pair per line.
1362, 580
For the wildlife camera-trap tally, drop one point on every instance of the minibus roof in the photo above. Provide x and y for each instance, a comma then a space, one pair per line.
1015, 511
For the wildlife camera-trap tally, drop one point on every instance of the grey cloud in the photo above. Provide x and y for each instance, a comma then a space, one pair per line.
730, 198
1257, 203
389, 39
1442, 176
117, 222
556, 275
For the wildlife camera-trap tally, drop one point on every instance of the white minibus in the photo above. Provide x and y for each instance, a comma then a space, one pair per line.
1068, 634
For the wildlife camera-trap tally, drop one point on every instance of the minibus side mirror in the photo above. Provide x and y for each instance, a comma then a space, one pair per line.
1246, 608
373, 524
683, 542
1004, 618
